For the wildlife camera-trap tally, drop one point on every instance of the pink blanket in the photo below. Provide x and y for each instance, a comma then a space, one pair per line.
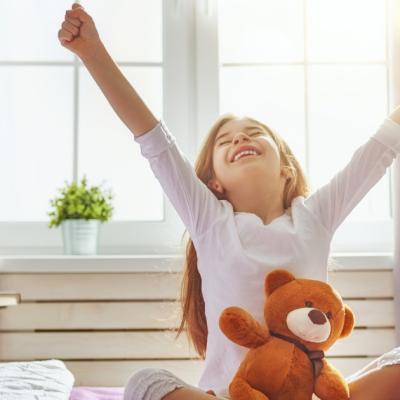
96, 393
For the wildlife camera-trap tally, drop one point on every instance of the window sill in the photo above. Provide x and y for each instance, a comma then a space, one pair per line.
154, 263
97, 263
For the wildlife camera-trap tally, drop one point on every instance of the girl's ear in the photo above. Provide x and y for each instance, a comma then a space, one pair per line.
214, 184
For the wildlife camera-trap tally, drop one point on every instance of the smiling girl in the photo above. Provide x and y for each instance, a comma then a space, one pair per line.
247, 207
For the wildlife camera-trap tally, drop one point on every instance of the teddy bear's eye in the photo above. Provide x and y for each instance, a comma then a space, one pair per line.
308, 304
329, 315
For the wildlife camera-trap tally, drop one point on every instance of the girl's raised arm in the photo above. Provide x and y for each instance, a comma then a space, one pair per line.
194, 202
78, 34
334, 201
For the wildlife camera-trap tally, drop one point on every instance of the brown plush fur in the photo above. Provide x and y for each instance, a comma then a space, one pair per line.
273, 368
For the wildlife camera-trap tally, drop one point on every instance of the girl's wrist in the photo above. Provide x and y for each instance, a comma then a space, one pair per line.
95, 52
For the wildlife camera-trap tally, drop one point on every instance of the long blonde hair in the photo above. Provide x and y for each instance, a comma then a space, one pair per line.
193, 318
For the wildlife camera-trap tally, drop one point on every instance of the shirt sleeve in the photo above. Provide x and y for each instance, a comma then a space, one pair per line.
334, 201
194, 202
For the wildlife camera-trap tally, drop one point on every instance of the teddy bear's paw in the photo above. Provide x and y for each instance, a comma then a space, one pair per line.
239, 389
331, 389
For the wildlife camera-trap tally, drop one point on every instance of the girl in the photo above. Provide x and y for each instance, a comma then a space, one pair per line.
240, 228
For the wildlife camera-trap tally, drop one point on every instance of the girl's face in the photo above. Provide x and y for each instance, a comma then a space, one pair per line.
264, 167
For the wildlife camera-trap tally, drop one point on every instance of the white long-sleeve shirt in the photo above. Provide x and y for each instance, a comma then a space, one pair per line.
235, 250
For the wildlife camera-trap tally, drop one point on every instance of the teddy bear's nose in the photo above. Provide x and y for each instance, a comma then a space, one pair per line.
317, 317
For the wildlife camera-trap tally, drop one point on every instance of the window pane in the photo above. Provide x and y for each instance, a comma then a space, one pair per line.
36, 139
274, 95
31, 28
130, 29
347, 104
261, 30
346, 30
107, 150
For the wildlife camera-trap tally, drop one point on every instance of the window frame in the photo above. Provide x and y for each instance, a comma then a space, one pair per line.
121, 237
190, 105
351, 237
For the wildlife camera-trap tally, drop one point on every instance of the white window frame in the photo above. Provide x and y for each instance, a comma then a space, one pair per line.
355, 237
131, 237
190, 106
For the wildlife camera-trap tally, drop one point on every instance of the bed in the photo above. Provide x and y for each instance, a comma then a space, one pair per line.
97, 393
105, 326
48, 379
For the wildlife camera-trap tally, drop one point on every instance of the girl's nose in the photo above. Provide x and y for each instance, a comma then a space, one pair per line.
239, 137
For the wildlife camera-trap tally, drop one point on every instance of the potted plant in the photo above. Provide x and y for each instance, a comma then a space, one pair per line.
80, 210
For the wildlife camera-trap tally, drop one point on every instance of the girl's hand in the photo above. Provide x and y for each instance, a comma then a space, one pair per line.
78, 32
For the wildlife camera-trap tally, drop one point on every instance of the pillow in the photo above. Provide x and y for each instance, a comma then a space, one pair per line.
32, 380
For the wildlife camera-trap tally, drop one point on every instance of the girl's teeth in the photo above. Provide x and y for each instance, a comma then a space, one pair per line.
241, 155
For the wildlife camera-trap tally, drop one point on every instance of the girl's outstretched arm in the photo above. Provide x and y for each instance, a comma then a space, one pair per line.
334, 201
196, 205
79, 35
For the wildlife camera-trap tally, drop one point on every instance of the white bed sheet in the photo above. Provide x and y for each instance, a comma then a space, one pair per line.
35, 380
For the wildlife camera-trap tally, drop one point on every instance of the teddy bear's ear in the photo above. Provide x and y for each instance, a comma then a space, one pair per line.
348, 322
276, 279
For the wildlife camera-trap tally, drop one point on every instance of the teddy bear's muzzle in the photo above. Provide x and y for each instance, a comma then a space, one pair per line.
308, 324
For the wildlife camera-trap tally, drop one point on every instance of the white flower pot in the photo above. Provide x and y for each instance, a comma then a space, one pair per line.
80, 236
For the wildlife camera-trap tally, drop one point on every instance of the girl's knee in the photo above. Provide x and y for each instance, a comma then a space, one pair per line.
150, 384
143, 374
135, 386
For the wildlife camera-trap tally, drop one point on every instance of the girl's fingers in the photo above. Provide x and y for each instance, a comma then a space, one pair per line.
70, 28
73, 21
76, 5
64, 35
78, 13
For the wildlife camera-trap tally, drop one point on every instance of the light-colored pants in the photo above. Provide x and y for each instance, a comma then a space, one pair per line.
155, 383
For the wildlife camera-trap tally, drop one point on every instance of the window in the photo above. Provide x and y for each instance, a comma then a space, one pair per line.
317, 74
56, 125
310, 69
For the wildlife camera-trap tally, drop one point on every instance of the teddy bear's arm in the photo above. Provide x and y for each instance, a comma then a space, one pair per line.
240, 327
330, 385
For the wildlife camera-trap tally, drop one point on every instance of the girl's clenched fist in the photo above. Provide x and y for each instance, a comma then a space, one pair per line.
78, 32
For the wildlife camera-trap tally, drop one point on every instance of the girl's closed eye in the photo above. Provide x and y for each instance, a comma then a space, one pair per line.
253, 134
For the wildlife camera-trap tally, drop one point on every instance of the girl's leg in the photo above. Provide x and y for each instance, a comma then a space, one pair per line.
188, 394
378, 384
378, 380
157, 384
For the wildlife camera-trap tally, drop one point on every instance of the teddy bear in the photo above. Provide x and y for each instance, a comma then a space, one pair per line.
285, 361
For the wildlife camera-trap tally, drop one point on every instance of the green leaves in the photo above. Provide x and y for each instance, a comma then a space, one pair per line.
80, 202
